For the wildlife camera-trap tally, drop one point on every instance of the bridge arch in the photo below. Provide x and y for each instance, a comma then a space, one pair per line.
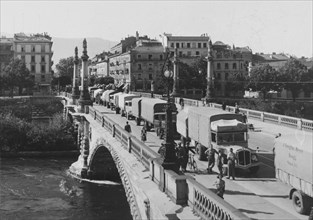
102, 165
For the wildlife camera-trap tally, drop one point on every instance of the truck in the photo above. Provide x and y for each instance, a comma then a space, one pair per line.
106, 97
153, 113
293, 159
206, 126
124, 100
135, 110
114, 101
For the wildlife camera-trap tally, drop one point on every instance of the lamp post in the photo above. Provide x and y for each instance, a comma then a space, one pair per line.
167, 149
152, 88
210, 89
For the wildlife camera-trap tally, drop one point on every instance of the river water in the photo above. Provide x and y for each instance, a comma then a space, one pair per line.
43, 189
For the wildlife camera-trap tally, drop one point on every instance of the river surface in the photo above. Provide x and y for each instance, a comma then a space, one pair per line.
43, 189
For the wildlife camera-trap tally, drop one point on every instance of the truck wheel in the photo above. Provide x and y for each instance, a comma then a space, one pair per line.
254, 170
301, 202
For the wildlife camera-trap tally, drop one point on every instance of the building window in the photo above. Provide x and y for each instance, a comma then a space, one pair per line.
150, 76
218, 76
33, 49
241, 66
307, 94
204, 45
188, 45
43, 48
172, 45
226, 76
43, 59
180, 53
172, 53
32, 68
182, 45
150, 66
33, 59
23, 48
177, 45
161, 57
43, 68
218, 66
226, 66
189, 53
197, 53
23, 58
234, 66
138, 56
150, 57
199, 45
139, 76
43, 78
139, 67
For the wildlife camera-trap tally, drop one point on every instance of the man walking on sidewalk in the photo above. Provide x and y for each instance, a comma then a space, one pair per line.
128, 128
211, 158
231, 159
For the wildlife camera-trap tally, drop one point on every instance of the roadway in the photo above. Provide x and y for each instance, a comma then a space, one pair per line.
259, 196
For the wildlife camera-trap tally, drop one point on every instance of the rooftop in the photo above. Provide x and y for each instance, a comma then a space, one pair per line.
32, 37
188, 38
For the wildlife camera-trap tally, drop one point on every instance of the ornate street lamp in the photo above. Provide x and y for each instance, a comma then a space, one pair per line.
210, 89
152, 88
167, 149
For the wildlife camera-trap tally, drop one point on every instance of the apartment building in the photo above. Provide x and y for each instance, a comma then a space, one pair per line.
36, 51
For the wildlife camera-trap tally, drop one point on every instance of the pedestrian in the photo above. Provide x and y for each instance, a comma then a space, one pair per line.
220, 186
231, 159
181, 102
210, 152
237, 108
244, 117
185, 157
180, 156
224, 106
220, 161
143, 134
128, 128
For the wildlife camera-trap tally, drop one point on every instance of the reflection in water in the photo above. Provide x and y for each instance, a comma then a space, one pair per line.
42, 189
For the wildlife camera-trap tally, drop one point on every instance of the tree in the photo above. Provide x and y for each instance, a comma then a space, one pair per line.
263, 78
65, 69
104, 80
292, 74
237, 82
17, 75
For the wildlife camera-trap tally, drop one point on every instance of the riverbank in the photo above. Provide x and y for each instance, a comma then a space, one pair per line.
40, 154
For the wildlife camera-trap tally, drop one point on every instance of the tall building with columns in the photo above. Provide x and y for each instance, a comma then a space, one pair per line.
36, 51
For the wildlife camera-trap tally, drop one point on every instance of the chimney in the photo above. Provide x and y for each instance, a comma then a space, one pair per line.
137, 35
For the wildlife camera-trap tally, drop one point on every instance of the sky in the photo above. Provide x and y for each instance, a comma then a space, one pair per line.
264, 26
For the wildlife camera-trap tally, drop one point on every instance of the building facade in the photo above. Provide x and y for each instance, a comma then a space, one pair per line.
99, 65
139, 65
36, 51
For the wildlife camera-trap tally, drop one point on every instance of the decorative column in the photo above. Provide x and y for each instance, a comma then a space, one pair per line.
75, 89
175, 92
210, 86
84, 94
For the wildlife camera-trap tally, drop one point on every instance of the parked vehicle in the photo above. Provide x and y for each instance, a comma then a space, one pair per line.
135, 110
106, 97
153, 113
114, 101
124, 100
97, 94
224, 130
294, 166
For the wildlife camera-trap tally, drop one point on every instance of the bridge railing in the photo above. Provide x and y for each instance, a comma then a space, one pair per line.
181, 189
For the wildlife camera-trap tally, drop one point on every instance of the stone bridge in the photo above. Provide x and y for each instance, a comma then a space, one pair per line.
109, 152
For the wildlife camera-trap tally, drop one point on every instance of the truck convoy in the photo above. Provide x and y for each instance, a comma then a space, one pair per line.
206, 126
294, 167
123, 101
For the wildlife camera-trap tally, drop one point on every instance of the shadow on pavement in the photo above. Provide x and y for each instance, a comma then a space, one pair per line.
254, 212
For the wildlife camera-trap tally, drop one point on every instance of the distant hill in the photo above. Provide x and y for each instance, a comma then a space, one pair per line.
64, 47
